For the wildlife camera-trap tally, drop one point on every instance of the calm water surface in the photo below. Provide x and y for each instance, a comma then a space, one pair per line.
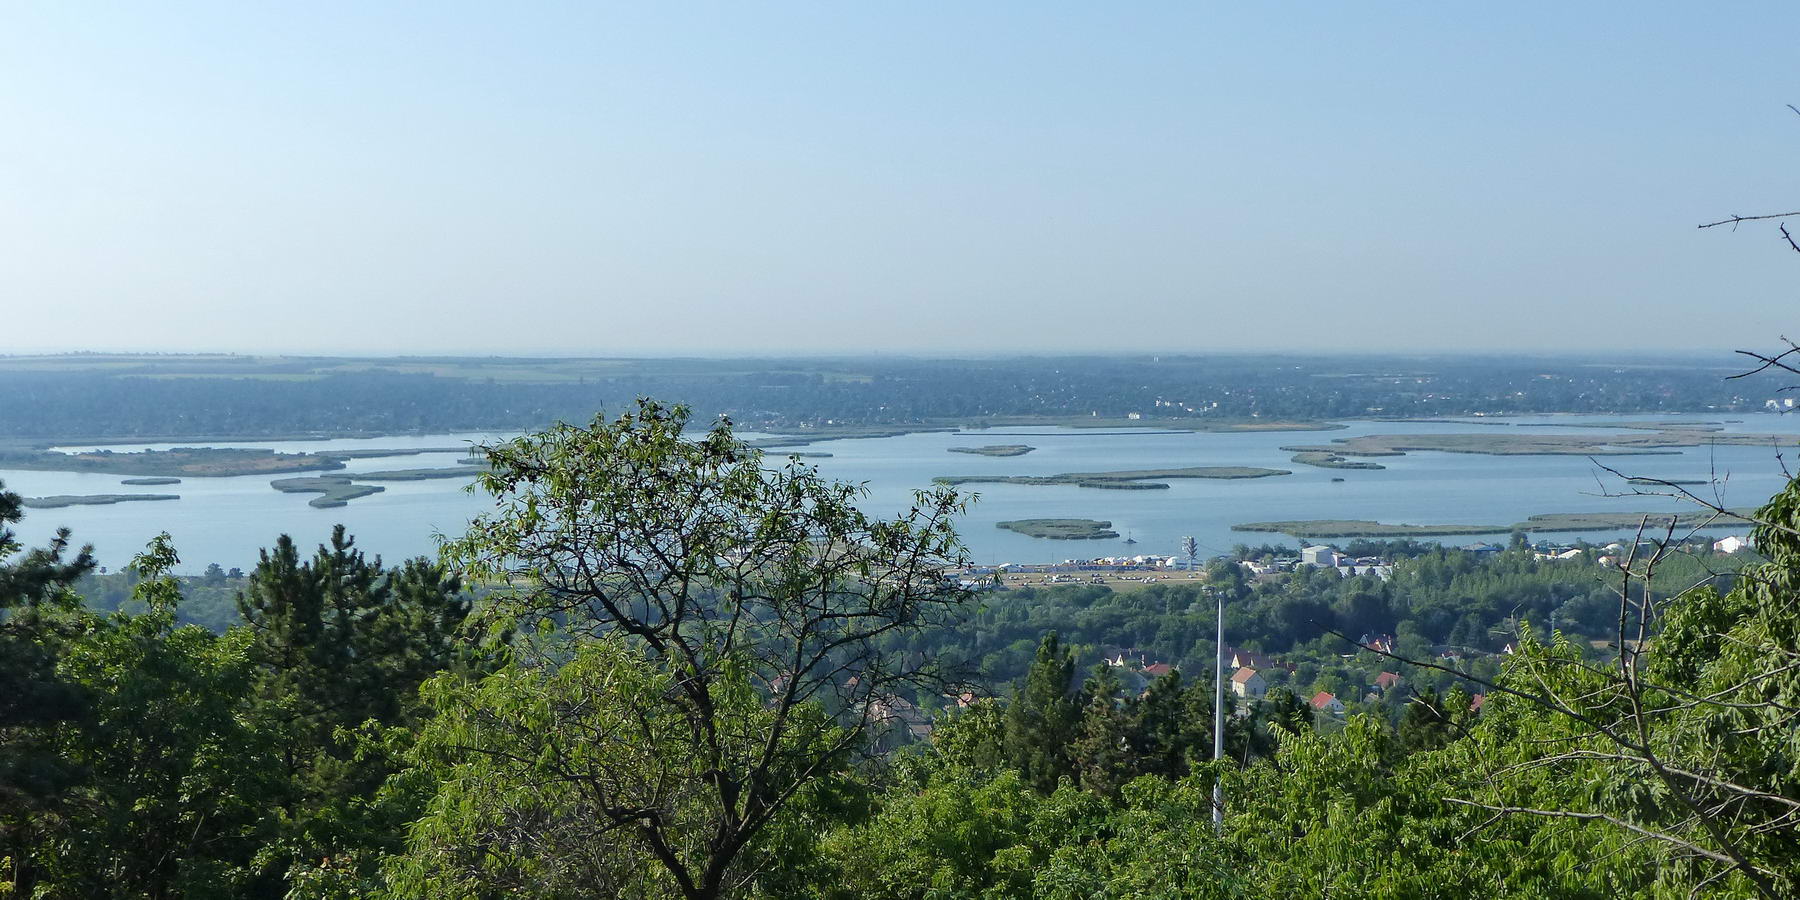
226, 520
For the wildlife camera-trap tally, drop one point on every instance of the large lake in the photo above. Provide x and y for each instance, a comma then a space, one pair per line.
226, 520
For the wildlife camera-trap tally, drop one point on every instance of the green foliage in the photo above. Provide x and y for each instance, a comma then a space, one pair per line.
40, 616
742, 588
144, 757
710, 650
338, 646
1041, 721
176, 764
533, 762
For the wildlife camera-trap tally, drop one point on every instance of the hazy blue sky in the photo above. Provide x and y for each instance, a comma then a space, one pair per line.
760, 178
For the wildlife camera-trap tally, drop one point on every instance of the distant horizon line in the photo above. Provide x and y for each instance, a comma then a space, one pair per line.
923, 353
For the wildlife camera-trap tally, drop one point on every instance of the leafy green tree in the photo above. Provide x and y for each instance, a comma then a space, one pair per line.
176, 761
760, 602
1683, 747
535, 765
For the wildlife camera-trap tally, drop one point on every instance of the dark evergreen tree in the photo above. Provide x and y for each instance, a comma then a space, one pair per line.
1163, 727
1043, 719
340, 643
1427, 724
39, 614
1102, 755
1282, 709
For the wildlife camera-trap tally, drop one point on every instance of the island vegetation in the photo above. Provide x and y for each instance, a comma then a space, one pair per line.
1325, 460
419, 474
1548, 523
201, 462
1062, 529
1629, 521
1128, 479
1310, 529
1513, 444
995, 450
59, 501
158, 480
335, 490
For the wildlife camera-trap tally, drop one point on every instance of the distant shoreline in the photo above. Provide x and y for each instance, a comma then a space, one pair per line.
796, 437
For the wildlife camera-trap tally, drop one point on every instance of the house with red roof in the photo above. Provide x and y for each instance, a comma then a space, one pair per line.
1387, 681
1327, 702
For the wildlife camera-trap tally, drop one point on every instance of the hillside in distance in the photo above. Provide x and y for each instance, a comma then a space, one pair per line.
189, 396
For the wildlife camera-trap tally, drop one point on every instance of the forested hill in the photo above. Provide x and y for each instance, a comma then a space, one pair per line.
94, 395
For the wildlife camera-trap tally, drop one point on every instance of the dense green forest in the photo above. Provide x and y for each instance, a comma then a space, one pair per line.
97, 396
688, 675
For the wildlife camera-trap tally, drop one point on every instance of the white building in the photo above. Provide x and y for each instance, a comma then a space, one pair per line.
1321, 556
1731, 544
1249, 685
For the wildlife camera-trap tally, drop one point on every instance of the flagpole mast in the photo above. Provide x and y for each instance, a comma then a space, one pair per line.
1218, 797
1191, 547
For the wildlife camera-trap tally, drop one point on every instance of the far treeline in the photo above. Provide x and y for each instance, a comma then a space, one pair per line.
98, 396
685, 675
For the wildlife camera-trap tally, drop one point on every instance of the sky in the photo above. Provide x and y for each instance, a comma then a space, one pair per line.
770, 178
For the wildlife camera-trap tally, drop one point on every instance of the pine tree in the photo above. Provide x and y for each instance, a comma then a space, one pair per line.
1042, 721
1162, 728
39, 614
1102, 755
339, 641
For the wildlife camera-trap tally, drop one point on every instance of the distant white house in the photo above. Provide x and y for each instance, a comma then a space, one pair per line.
1259, 568
1246, 683
1731, 544
1321, 556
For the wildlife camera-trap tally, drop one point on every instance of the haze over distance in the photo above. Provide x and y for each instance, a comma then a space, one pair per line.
637, 180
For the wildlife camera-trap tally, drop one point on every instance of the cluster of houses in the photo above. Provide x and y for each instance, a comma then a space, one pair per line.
905, 721
1100, 565
1618, 553
1318, 556
1248, 682
1141, 667
1322, 557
